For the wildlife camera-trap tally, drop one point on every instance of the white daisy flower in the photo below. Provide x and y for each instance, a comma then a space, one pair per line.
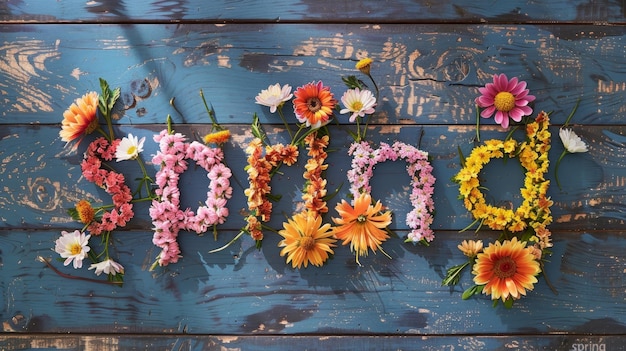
274, 96
73, 247
129, 148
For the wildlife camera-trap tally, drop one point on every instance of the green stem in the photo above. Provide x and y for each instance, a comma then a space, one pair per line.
545, 276
104, 134
210, 113
572, 113
556, 169
242, 232
477, 125
145, 180
375, 86
68, 276
282, 117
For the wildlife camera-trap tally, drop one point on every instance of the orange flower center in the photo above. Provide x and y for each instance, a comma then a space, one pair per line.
504, 101
505, 267
86, 213
75, 249
307, 243
314, 104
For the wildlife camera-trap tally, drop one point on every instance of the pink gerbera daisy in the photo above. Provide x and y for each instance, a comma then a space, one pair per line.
507, 98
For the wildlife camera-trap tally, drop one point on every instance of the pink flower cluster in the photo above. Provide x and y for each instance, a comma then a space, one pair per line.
167, 217
365, 158
112, 182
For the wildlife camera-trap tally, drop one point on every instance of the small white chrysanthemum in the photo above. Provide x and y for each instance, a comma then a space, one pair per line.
274, 96
107, 266
359, 102
73, 247
571, 141
129, 148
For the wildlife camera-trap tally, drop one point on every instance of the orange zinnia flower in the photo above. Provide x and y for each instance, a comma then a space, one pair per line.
506, 269
314, 104
219, 137
306, 240
362, 225
86, 212
80, 118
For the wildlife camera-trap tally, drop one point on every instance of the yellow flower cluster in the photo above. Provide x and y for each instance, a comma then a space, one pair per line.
534, 212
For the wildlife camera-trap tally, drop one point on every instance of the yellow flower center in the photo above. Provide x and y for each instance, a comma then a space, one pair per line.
314, 104
307, 243
505, 267
75, 249
504, 101
357, 106
131, 150
361, 219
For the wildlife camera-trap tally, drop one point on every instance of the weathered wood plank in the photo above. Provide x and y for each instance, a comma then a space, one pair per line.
318, 342
243, 291
515, 11
40, 179
428, 74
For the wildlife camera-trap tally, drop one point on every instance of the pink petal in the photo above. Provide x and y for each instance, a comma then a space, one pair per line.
526, 110
516, 114
522, 102
521, 95
512, 85
501, 82
502, 119
530, 98
484, 101
488, 112
518, 88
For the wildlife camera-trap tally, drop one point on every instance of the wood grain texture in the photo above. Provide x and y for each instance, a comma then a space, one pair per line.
430, 58
514, 11
244, 291
428, 74
339, 343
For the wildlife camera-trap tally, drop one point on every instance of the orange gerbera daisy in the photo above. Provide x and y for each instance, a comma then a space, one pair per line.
306, 240
363, 226
80, 118
314, 104
506, 269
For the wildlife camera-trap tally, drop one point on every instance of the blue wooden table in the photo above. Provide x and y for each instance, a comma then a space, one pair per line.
429, 59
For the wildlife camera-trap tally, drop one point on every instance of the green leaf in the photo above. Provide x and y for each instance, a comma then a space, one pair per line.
461, 157
333, 194
352, 82
453, 274
509, 302
113, 98
473, 290
73, 213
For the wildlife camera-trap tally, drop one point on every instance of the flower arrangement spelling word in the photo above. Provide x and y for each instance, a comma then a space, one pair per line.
306, 240
364, 226
508, 268
173, 158
80, 120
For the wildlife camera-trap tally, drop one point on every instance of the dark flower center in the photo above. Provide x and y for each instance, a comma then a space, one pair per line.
307, 243
314, 104
505, 267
